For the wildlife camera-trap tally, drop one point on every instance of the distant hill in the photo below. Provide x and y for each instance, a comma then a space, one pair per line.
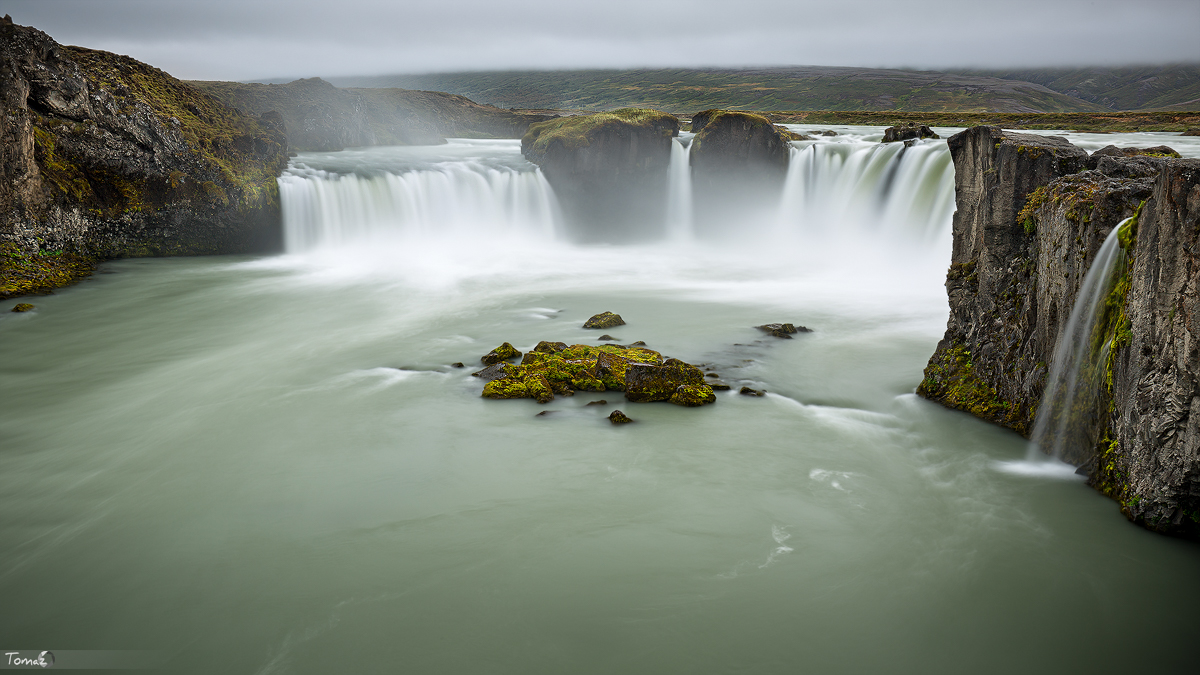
1173, 87
319, 116
690, 90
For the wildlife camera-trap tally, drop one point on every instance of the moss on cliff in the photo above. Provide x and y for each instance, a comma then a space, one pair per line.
1111, 476
576, 131
31, 273
236, 143
950, 379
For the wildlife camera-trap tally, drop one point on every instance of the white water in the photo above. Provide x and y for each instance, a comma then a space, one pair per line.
842, 193
1068, 409
446, 197
679, 190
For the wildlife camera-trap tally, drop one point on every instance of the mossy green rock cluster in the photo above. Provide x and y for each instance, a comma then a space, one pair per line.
555, 368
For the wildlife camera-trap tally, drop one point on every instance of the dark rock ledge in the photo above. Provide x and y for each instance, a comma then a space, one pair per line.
1033, 212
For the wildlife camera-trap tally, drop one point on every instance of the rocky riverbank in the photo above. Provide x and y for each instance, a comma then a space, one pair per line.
102, 156
1032, 214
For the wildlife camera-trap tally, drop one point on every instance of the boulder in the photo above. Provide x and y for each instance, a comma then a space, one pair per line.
604, 320
22, 307
783, 330
747, 391
502, 353
618, 417
693, 395
645, 382
1156, 151
907, 132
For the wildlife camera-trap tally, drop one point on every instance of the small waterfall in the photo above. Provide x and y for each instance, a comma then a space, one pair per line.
463, 199
873, 188
679, 190
1067, 422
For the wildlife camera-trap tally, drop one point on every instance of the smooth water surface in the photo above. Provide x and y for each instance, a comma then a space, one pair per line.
268, 465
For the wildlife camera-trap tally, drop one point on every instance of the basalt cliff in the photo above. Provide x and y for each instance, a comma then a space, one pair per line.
1033, 212
102, 156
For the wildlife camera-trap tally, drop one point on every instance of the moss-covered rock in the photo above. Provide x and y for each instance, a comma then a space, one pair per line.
693, 395
604, 320
502, 353
22, 307
506, 388
646, 382
561, 371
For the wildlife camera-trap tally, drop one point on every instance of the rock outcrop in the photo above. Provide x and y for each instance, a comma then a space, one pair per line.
322, 117
103, 156
738, 161
1032, 214
609, 170
907, 132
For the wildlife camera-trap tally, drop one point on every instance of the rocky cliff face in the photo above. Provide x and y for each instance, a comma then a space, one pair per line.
738, 161
103, 156
609, 170
1032, 213
322, 117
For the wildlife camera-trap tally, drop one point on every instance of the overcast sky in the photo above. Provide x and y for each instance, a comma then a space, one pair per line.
246, 39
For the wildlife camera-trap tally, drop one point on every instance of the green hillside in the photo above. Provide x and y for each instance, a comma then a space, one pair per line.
1135, 88
690, 90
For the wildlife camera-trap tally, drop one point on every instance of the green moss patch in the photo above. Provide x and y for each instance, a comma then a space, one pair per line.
552, 369
26, 273
950, 379
576, 131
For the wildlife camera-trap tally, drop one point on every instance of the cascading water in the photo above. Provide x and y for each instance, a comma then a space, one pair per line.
870, 188
1067, 420
848, 188
439, 198
679, 189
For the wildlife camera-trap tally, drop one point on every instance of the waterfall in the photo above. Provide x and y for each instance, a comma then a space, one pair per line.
1067, 421
679, 190
862, 188
846, 188
454, 200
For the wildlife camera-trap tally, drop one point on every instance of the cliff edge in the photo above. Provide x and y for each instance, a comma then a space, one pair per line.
1033, 212
102, 156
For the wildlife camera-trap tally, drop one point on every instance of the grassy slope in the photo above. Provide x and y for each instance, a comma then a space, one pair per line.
1132, 88
1112, 121
688, 90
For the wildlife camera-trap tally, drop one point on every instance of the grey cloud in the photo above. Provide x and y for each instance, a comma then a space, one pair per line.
221, 39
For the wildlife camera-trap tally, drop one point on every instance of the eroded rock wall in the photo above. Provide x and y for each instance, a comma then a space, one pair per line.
104, 156
1033, 212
